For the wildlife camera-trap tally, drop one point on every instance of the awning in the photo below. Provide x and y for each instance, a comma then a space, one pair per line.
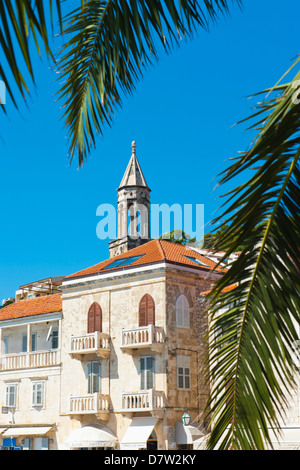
187, 434
27, 431
200, 444
287, 439
91, 436
2, 430
138, 433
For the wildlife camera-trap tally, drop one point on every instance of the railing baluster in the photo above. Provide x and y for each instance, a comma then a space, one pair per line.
89, 342
150, 399
92, 403
29, 360
142, 336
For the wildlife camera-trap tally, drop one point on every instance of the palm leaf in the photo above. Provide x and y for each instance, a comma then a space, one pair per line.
254, 326
110, 44
18, 20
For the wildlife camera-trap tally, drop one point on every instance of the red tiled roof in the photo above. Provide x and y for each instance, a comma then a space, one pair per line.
153, 251
226, 289
35, 306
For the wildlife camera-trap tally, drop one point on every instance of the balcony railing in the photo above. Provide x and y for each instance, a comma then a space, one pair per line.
96, 342
93, 403
143, 337
30, 359
149, 400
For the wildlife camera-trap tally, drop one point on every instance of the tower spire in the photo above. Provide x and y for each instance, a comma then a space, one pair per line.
133, 175
133, 198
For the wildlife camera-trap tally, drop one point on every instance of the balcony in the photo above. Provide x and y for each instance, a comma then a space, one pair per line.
149, 400
30, 359
93, 403
90, 343
143, 337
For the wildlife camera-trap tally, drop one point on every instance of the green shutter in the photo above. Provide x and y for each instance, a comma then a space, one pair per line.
45, 443
26, 444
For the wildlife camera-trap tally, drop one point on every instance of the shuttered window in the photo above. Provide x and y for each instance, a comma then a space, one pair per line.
94, 376
94, 318
11, 395
147, 372
33, 342
26, 443
54, 339
5, 345
38, 394
146, 311
182, 312
183, 373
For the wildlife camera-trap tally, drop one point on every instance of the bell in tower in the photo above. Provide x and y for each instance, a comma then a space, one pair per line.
133, 209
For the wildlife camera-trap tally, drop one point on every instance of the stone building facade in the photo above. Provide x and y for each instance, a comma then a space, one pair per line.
134, 393
134, 369
113, 359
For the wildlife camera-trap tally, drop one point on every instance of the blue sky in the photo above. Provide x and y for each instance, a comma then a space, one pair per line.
182, 117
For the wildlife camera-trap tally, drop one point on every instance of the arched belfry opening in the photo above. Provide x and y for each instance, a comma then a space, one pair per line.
133, 209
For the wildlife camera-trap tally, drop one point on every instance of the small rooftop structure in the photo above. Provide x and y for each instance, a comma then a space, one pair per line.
42, 287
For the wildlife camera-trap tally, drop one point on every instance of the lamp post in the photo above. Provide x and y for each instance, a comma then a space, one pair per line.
186, 419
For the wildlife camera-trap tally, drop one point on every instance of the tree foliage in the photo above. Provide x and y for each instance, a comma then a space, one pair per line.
178, 236
255, 325
107, 46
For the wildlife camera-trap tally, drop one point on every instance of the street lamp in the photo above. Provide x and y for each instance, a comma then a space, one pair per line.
186, 419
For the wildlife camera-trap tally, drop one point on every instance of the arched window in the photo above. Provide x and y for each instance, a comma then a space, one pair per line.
94, 318
146, 311
182, 312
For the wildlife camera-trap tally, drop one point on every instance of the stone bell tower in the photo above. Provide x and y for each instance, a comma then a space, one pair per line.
133, 209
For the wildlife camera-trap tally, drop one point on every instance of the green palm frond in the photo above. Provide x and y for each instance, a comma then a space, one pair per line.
254, 326
18, 20
110, 44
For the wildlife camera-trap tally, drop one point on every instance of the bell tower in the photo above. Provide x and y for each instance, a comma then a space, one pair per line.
133, 209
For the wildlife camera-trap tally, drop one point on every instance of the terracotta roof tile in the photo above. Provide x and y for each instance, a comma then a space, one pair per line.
152, 252
29, 307
226, 289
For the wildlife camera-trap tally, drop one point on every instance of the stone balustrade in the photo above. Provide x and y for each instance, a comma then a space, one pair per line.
149, 400
141, 337
30, 359
92, 403
96, 342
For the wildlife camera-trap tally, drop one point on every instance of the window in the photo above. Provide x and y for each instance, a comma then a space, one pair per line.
197, 261
33, 342
183, 373
94, 374
38, 394
146, 311
147, 372
123, 262
94, 318
11, 395
40, 443
35, 443
182, 312
54, 339
5, 345
24, 343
